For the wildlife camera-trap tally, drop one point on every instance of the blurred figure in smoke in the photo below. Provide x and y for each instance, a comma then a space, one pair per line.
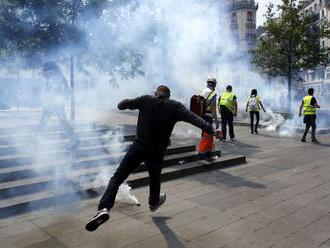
157, 116
253, 105
55, 94
210, 114
309, 104
228, 109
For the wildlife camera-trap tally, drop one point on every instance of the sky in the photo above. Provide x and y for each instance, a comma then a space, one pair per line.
263, 8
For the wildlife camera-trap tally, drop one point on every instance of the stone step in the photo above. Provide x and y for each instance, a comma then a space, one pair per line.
173, 156
19, 146
55, 127
26, 159
39, 200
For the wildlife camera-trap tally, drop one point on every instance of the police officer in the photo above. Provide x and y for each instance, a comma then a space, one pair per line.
228, 109
309, 104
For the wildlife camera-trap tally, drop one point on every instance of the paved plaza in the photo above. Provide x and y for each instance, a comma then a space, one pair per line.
279, 198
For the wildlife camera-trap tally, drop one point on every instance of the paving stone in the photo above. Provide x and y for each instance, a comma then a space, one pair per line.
298, 240
229, 233
280, 198
49, 243
28, 238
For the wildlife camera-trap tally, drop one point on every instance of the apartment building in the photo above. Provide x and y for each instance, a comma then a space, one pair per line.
242, 20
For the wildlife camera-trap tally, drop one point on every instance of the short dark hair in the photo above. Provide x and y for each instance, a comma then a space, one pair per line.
163, 90
229, 87
310, 91
254, 92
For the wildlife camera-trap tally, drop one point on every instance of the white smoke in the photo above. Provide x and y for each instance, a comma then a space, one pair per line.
115, 146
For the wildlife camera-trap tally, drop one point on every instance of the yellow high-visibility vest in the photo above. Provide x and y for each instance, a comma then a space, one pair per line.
227, 100
308, 108
208, 100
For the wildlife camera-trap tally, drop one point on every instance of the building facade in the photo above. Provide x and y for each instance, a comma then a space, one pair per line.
242, 20
319, 78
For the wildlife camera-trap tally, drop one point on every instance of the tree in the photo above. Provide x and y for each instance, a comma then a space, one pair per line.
32, 29
291, 43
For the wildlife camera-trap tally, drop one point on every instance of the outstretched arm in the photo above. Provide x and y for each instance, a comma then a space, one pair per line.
262, 106
131, 103
183, 114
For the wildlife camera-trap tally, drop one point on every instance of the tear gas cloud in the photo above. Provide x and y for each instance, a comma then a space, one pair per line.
177, 43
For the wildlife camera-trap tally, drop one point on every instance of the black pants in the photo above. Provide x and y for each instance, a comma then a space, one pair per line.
227, 118
252, 114
136, 154
310, 121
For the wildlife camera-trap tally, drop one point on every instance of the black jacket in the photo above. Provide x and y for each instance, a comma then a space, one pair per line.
157, 117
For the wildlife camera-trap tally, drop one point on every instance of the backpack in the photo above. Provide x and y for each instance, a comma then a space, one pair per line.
197, 105
253, 104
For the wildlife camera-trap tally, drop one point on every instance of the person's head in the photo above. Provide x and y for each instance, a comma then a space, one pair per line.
163, 91
211, 82
229, 88
49, 68
310, 91
254, 92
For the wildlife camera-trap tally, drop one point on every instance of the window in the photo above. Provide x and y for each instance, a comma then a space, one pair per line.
323, 13
249, 16
323, 44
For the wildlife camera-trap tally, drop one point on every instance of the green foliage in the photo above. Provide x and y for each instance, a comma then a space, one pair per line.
291, 42
31, 29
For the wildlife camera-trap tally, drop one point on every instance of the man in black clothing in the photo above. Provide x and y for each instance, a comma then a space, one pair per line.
157, 117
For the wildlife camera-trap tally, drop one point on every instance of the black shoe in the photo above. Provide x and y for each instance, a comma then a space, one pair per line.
315, 141
211, 159
256, 131
162, 199
101, 217
223, 140
303, 140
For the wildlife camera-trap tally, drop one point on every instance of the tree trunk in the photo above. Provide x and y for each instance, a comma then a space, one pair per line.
289, 91
72, 88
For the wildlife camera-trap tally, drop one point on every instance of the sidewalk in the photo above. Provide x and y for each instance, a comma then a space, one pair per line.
280, 198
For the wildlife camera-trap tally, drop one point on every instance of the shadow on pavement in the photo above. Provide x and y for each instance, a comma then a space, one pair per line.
235, 181
170, 237
245, 145
269, 136
322, 144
